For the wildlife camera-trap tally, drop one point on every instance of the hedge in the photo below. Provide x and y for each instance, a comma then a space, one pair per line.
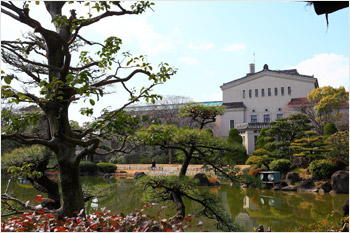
88, 167
106, 167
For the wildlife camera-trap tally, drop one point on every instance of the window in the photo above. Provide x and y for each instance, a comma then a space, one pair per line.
266, 117
279, 115
289, 90
282, 90
254, 118
276, 91
243, 94
232, 124
256, 93
250, 93
262, 92
269, 91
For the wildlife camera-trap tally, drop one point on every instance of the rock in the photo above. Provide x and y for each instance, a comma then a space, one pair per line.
260, 228
122, 172
327, 187
203, 180
279, 186
138, 175
299, 162
292, 177
307, 186
108, 176
321, 191
340, 182
244, 186
346, 208
289, 188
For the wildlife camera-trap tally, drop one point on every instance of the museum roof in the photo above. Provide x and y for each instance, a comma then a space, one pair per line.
266, 68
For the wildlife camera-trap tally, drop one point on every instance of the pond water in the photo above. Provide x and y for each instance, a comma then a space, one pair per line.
282, 211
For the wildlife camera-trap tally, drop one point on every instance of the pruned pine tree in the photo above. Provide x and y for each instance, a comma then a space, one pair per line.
61, 83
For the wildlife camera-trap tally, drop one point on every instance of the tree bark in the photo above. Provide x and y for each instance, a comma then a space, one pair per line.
72, 193
180, 207
185, 164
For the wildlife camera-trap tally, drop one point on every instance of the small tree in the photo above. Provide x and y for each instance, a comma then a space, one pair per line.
338, 145
330, 129
240, 156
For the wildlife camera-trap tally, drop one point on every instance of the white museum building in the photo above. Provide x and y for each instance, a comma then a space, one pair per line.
260, 97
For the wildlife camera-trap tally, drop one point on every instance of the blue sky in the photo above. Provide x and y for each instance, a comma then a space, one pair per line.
213, 42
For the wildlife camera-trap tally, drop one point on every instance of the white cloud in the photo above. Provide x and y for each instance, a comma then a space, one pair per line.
137, 29
201, 46
329, 69
235, 47
190, 61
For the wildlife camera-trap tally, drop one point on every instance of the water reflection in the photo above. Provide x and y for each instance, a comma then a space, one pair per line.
248, 207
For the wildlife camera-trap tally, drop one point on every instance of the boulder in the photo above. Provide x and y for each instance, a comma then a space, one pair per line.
346, 208
299, 162
292, 177
279, 186
108, 176
203, 180
307, 185
340, 182
327, 187
122, 172
289, 188
138, 175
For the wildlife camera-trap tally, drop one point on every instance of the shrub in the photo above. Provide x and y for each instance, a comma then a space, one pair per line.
145, 161
250, 180
255, 172
330, 129
88, 167
113, 160
281, 165
106, 167
253, 159
338, 163
322, 169
233, 136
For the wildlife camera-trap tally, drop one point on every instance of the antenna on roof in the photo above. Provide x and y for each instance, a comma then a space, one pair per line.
254, 57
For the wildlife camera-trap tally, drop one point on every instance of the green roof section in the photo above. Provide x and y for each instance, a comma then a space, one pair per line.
168, 106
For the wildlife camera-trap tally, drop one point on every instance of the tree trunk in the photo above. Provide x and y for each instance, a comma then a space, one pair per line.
180, 207
72, 193
184, 166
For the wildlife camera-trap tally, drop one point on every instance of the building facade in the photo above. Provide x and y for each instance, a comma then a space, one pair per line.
260, 97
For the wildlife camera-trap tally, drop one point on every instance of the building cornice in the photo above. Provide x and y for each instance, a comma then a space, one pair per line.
251, 77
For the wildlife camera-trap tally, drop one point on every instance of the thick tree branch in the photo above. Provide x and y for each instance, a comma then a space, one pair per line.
27, 140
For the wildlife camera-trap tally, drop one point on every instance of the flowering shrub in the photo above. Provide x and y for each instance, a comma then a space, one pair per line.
99, 221
255, 172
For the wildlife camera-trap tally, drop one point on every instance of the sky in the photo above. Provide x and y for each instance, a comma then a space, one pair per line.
213, 42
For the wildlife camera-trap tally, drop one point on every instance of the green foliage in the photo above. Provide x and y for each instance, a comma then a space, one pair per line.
338, 145
263, 139
24, 156
233, 136
88, 167
261, 152
251, 180
338, 163
145, 160
258, 160
311, 146
330, 129
322, 169
201, 114
106, 167
329, 100
282, 165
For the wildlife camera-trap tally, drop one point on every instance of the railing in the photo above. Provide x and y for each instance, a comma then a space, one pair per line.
257, 125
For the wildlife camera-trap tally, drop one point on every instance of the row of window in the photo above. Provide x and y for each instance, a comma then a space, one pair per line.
254, 119
269, 92
267, 117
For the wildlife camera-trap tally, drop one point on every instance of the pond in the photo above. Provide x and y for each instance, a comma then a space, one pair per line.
282, 211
